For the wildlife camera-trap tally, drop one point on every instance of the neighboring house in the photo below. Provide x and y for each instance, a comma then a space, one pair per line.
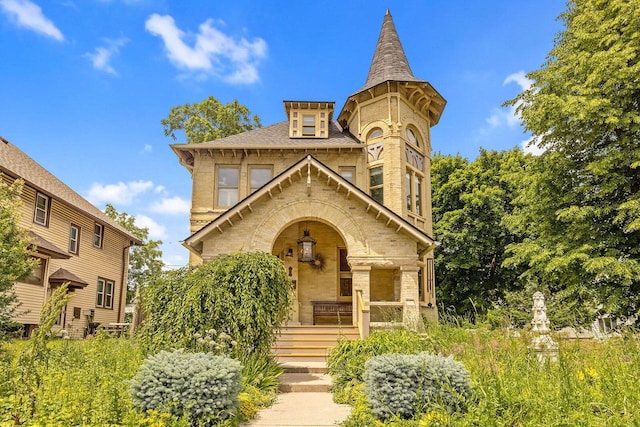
345, 204
74, 242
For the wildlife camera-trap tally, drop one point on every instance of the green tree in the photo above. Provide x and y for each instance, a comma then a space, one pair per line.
245, 296
145, 261
580, 214
470, 202
209, 120
15, 256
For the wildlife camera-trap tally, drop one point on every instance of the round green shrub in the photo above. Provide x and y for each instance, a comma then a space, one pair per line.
405, 385
202, 387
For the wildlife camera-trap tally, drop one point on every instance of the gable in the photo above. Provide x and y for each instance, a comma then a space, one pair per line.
307, 190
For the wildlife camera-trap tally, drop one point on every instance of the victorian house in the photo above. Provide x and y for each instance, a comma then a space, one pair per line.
343, 197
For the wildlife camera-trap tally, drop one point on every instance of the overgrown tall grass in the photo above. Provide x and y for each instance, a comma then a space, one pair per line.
592, 384
85, 383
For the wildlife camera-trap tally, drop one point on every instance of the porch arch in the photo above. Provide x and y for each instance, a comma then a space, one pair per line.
313, 210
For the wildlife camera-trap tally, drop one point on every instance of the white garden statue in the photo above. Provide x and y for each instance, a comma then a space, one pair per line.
542, 343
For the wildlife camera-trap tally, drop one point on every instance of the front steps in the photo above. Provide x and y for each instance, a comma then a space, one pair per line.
310, 343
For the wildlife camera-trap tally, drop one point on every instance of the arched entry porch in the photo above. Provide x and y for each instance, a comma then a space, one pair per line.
322, 281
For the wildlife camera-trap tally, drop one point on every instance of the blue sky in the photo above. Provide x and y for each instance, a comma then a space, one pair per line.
85, 83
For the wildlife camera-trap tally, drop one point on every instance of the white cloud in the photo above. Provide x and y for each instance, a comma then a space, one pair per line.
29, 15
148, 148
102, 55
171, 206
520, 78
120, 193
213, 52
156, 231
509, 116
529, 146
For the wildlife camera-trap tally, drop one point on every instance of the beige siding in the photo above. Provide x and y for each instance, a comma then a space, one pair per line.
90, 264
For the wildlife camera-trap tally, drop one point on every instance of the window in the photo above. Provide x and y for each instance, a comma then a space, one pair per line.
76, 312
375, 184
98, 235
346, 283
374, 134
104, 296
228, 177
74, 239
418, 193
41, 212
413, 186
409, 187
308, 125
259, 176
412, 138
37, 275
348, 173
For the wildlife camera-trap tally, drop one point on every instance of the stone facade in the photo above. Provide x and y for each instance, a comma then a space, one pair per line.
360, 185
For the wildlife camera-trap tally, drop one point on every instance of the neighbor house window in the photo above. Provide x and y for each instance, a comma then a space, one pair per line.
41, 213
228, 177
375, 184
98, 235
259, 176
104, 297
37, 274
348, 173
74, 239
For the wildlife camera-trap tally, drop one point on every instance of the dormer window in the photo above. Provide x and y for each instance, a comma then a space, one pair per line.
309, 119
308, 125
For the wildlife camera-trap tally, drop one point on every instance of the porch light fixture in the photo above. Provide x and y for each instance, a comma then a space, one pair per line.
307, 248
289, 253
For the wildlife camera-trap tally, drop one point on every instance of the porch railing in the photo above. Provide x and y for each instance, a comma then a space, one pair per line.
362, 315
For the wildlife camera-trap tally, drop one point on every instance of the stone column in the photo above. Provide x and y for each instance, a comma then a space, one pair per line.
410, 298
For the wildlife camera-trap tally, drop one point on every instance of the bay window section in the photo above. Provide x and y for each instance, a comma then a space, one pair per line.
413, 188
418, 194
228, 177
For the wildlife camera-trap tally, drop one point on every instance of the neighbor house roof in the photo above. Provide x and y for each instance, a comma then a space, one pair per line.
62, 276
45, 247
17, 164
273, 137
299, 169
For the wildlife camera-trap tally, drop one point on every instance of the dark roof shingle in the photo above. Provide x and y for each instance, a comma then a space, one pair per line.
17, 164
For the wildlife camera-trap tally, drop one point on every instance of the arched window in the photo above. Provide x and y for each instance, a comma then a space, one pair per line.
413, 137
374, 134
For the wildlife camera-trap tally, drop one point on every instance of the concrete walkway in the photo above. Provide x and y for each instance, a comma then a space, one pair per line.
304, 400
302, 409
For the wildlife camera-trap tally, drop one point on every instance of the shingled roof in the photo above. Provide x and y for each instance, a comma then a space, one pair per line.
389, 60
275, 137
15, 163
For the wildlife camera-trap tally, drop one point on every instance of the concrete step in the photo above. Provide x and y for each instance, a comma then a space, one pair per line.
310, 343
304, 382
299, 367
298, 358
302, 349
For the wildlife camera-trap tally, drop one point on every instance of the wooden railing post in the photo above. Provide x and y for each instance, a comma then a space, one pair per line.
363, 315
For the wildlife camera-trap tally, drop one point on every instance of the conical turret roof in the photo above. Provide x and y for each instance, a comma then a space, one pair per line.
389, 60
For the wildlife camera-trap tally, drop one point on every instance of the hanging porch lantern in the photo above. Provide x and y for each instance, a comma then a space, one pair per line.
307, 248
